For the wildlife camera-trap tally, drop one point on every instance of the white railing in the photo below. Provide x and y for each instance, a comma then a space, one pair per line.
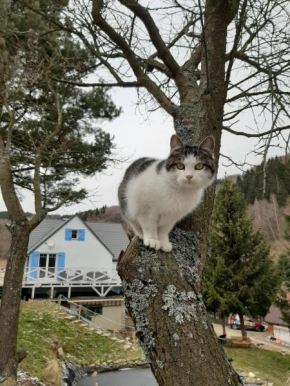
69, 276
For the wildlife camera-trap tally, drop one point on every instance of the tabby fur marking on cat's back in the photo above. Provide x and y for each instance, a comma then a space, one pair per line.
155, 194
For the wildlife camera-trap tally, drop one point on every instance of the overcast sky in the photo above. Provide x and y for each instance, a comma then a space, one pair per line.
137, 135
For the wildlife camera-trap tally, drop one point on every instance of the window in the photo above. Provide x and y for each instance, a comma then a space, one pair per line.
74, 234
47, 264
96, 309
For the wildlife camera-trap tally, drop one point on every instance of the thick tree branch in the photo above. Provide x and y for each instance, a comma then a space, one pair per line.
239, 29
150, 64
180, 34
7, 187
132, 60
195, 58
163, 52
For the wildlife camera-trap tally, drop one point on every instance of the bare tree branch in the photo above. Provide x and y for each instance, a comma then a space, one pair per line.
239, 29
135, 65
84, 84
163, 51
258, 135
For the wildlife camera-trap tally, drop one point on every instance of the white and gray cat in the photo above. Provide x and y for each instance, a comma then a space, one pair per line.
155, 194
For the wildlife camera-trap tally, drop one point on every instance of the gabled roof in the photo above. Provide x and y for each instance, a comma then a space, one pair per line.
111, 235
274, 316
43, 231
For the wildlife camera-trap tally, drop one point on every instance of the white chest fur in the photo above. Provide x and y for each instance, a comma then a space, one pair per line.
156, 203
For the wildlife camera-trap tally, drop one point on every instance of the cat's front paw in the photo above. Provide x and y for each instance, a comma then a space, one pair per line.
152, 243
166, 246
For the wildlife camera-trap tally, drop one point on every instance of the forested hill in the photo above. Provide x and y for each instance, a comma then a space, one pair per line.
277, 181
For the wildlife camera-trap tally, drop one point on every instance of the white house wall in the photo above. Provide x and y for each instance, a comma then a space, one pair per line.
282, 333
90, 253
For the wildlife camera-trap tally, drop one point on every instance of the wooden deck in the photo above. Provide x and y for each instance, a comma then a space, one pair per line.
101, 280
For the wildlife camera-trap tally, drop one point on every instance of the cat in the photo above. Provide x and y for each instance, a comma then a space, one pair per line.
155, 194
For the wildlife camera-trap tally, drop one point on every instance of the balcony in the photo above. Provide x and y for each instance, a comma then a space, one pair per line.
102, 280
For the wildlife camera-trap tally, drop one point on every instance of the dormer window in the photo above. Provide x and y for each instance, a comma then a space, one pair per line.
74, 234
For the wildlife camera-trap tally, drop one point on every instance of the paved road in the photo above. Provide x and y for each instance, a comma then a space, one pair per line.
142, 377
256, 337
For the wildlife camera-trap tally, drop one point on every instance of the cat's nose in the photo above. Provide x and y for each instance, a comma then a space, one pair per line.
189, 178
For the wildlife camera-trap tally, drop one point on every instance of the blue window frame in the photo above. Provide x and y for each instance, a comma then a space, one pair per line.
75, 234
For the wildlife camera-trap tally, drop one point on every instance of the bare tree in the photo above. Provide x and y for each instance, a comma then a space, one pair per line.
206, 64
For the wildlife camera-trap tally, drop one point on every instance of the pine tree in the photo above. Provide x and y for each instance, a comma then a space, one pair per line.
277, 182
49, 137
283, 274
283, 269
239, 277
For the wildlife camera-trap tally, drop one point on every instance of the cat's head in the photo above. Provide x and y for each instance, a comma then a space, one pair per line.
191, 166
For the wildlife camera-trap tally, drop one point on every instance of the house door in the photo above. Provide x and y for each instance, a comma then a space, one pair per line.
47, 266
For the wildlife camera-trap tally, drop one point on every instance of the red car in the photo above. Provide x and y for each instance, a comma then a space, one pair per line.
250, 324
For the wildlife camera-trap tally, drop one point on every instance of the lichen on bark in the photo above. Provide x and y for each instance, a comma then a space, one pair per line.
162, 297
179, 304
137, 300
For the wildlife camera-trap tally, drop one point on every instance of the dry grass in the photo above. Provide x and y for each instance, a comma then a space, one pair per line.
40, 328
268, 217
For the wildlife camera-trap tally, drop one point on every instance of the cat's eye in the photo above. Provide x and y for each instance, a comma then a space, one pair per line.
199, 166
180, 166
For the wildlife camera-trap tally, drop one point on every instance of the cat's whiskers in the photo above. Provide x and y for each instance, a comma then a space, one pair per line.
159, 193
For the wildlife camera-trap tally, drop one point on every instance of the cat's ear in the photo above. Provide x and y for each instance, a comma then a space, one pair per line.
175, 143
207, 144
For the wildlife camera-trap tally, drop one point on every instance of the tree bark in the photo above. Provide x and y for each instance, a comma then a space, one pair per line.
10, 303
201, 110
223, 324
242, 324
162, 297
162, 291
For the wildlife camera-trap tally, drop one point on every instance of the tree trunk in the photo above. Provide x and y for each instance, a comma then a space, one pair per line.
162, 297
10, 304
162, 290
242, 324
223, 324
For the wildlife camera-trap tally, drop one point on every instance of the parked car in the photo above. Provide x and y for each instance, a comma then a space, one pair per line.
250, 324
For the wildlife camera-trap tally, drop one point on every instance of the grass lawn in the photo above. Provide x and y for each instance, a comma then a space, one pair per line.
265, 364
39, 327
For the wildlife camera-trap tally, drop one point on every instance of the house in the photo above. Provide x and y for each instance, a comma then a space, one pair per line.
276, 325
73, 258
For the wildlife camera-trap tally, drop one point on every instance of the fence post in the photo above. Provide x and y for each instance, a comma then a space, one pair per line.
59, 301
79, 312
